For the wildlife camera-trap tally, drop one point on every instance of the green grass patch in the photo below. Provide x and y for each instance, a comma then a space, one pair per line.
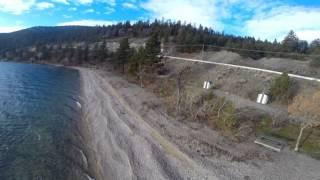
264, 126
310, 143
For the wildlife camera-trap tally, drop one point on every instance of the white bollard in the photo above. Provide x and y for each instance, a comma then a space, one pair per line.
207, 85
263, 99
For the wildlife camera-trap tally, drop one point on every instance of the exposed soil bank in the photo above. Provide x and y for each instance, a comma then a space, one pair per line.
129, 136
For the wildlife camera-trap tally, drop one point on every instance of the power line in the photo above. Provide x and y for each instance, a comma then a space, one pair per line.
242, 49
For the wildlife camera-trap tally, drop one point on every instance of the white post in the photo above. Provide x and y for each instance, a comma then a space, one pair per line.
205, 85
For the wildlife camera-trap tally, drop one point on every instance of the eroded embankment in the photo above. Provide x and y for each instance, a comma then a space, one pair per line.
122, 145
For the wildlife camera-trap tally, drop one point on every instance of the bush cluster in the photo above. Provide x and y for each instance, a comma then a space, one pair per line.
281, 88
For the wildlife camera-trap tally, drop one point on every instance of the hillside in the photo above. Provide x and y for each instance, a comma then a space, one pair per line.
130, 135
143, 113
132, 50
80, 44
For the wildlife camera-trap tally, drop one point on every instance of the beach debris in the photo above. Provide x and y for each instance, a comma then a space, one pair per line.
78, 104
270, 142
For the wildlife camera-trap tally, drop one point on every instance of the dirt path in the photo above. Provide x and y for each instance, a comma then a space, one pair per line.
242, 103
130, 137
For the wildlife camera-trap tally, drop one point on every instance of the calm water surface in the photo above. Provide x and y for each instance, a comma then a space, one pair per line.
37, 110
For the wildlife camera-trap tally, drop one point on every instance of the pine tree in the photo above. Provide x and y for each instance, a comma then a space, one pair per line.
302, 46
86, 54
153, 48
291, 42
138, 63
103, 51
315, 47
123, 53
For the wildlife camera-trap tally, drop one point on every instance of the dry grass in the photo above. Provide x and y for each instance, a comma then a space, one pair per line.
306, 104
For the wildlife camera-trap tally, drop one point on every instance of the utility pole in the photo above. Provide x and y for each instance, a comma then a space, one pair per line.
202, 52
202, 58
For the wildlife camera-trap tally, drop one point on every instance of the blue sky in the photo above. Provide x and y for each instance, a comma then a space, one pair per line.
264, 19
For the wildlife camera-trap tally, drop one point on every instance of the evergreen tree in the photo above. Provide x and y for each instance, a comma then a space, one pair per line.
76, 58
86, 54
96, 53
123, 53
315, 43
103, 51
281, 88
138, 63
153, 48
291, 42
181, 34
302, 46
315, 47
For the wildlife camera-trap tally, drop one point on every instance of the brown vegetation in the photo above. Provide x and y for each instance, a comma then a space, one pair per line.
307, 107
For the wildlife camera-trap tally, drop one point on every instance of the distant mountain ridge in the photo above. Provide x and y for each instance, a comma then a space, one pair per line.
187, 37
44, 35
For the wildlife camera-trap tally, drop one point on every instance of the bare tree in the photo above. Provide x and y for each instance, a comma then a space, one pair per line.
141, 72
180, 80
308, 108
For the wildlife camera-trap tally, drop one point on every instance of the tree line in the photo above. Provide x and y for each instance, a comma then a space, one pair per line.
185, 36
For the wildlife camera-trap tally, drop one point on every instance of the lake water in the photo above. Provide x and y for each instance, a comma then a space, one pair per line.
37, 112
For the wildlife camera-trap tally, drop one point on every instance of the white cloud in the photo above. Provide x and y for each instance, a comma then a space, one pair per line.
259, 18
109, 2
278, 21
89, 11
8, 29
16, 7
129, 5
87, 22
203, 12
85, 1
67, 16
44, 5
309, 35
72, 9
61, 1
88, 2
109, 10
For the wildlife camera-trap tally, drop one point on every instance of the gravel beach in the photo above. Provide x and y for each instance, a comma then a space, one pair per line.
129, 136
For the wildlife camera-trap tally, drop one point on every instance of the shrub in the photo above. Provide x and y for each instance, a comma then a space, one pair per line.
207, 107
229, 119
264, 125
315, 62
281, 88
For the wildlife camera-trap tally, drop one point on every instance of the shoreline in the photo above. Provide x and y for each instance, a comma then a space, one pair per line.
123, 145
125, 133
130, 136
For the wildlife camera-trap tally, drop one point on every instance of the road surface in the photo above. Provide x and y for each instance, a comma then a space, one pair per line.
243, 67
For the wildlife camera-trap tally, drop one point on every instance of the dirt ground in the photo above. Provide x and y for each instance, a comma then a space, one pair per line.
130, 136
242, 86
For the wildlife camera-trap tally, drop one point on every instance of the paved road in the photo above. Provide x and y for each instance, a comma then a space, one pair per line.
244, 67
